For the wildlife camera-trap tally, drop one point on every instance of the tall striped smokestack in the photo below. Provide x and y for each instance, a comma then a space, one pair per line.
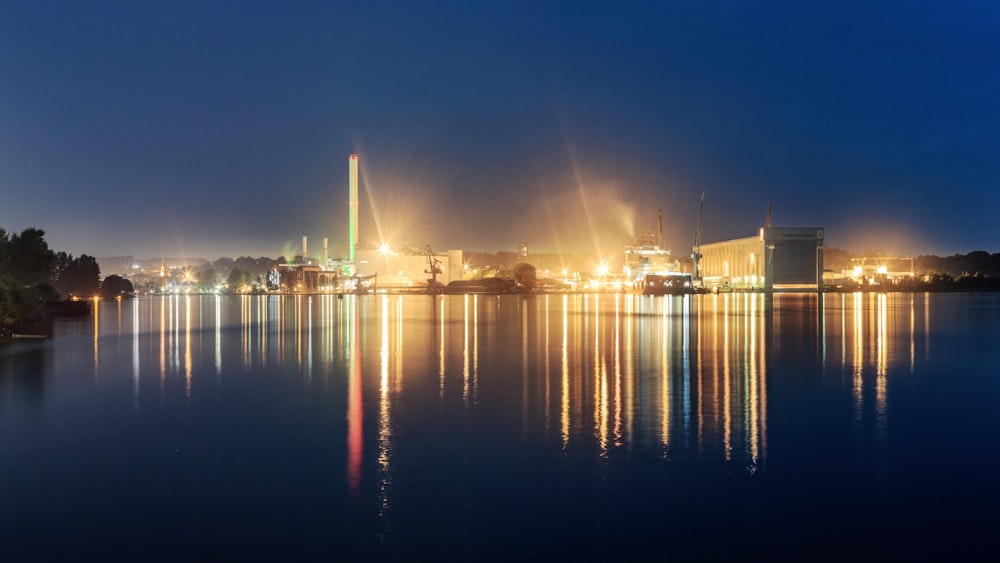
305, 250
326, 255
352, 163
659, 227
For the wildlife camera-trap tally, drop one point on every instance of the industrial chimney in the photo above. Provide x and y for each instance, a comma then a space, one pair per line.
352, 164
659, 228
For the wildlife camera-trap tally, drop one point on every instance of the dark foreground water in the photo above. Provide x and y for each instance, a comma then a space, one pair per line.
732, 427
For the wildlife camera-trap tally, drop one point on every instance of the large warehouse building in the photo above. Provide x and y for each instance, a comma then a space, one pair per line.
778, 259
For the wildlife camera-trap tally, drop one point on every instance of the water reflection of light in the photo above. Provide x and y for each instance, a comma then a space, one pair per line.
187, 347
384, 420
875, 349
272, 321
881, 344
727, 417
525, 373
465, 352
441, 354
600, 385
355, 411
665, 364
384, 349
881, 362
721, 372
843, 329
309, 339
399, 345
163, 343
634, 370
757, 402
175, 323
298, 320
858, 353
927, 327
523, 314
218, 336
686, 367
629, 369
326, 326
475, 347
96, 306
547, 414
617, 373
135, 355
564, 399
913, 328
874, 337
245, 333
700, 383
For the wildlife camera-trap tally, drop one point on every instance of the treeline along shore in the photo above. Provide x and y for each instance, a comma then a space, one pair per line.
975, 271
38, 284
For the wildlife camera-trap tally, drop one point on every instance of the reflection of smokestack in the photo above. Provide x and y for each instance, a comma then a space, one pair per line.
659, 227
352, 163
326, 255
305, 250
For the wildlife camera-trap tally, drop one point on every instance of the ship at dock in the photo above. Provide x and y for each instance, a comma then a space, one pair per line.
649, 267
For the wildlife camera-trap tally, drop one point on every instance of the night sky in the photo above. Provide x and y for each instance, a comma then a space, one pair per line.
208, 128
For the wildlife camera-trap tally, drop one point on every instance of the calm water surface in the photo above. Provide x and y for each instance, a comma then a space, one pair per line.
554, 427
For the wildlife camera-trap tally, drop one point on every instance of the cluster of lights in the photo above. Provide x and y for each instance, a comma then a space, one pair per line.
881, 270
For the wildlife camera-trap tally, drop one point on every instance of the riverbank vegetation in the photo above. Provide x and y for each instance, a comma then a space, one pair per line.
975, 271
35, 280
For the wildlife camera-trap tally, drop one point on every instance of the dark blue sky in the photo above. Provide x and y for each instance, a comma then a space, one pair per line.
209, 128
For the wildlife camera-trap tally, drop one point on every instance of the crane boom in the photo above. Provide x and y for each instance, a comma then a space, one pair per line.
433, 269
696, 253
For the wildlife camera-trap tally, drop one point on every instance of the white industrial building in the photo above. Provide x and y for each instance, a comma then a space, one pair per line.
777, 259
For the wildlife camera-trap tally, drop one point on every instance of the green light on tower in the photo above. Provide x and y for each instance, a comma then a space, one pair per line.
353, 167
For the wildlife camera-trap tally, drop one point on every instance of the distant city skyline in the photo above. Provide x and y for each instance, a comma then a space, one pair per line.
210, 129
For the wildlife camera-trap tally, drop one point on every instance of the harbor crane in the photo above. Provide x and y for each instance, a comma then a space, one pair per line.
696, 251
433, 268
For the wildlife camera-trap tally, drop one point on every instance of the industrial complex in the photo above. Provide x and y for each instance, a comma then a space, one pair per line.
367, 269
776, 259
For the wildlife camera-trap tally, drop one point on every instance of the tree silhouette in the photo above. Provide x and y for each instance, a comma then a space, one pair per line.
25, 273
80, 277
525, 276
116, 286
238, 280
29, 258
4, 252
207, 280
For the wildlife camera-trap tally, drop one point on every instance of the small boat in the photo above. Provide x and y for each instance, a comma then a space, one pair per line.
17, 336
724, 288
